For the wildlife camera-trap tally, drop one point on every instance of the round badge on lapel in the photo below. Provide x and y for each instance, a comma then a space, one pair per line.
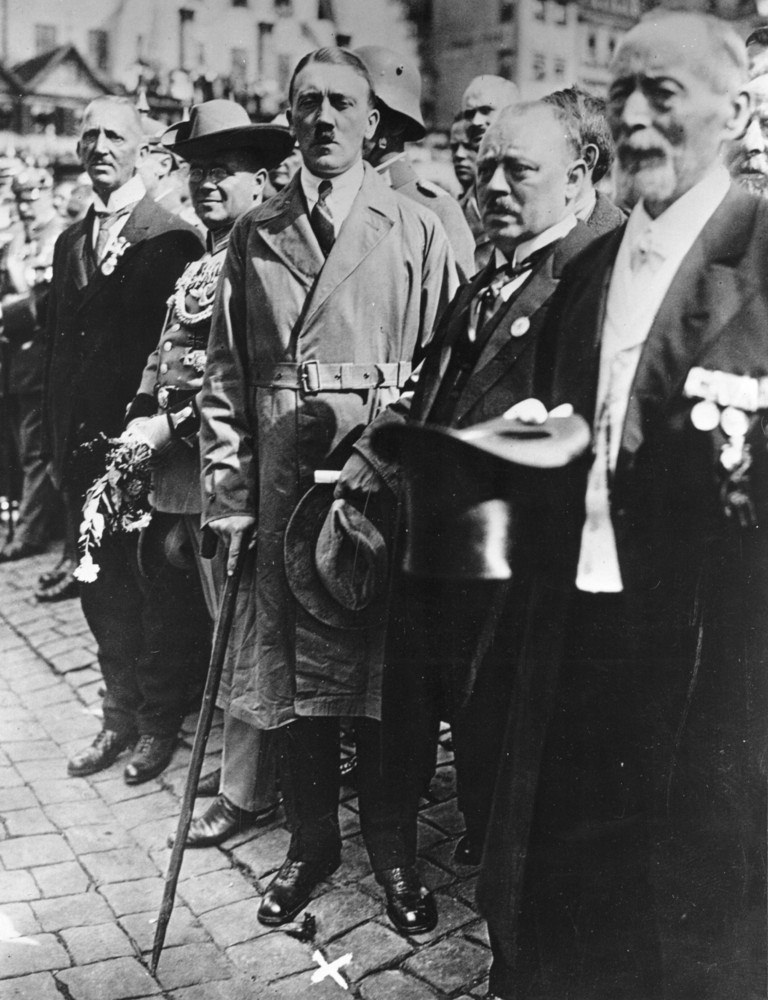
705, 416
735, 422
520, 326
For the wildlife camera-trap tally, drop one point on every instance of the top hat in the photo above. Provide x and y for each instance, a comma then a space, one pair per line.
463, 488
336, 560
221, 125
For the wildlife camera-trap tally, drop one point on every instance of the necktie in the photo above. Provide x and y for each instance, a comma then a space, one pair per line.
646, 253
486, 302
321, 220
107, 221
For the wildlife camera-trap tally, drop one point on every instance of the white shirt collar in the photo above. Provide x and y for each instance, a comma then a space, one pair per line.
679, 225
587, 206
131, 192
343, 184
524, 250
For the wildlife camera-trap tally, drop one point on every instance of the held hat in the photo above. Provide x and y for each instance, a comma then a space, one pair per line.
397, 85
221, 125
463, 489
336, 561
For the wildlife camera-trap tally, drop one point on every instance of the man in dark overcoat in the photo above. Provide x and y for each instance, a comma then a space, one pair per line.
112, 274
326, 293
626, 851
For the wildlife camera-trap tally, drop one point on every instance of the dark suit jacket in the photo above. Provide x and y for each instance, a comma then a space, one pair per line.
695, 582
605, 216
100, 331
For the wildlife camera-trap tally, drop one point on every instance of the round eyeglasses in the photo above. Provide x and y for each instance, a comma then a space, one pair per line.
216, 174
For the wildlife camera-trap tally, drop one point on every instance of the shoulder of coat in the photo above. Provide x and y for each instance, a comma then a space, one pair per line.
431, 190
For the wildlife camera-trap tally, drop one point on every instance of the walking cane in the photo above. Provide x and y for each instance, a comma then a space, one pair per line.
220, 639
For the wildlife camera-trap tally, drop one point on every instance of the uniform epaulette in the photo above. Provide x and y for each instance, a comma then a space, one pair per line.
433, 190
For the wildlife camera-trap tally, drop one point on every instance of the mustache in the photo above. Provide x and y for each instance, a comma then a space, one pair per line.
633, 158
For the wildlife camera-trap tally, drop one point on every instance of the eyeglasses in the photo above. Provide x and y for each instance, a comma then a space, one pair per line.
216, 174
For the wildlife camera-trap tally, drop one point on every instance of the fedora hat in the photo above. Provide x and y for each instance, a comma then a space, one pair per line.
336, 561
463, 488
220, 125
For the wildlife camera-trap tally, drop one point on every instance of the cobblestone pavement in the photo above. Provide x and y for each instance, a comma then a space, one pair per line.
82, 861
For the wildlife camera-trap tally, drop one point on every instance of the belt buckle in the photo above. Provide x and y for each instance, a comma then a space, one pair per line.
304, 378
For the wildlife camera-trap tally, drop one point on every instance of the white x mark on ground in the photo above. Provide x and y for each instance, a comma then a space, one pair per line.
330, 969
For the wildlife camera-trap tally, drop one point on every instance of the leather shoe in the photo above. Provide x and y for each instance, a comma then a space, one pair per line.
222, 820
290, 889
410, 905
57, 584
151, 756
208, 785
467, 853
14, 550
104, 750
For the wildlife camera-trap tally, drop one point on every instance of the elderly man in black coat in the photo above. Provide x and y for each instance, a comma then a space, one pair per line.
112, 274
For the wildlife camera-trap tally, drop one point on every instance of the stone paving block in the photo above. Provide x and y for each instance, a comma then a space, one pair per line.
27, 822
49, 769
153, 836
39, 632
10, 778
195, 862
74, 659
96, 943
65, 879
16, 920
63, 726
32, 953
478, 932
112, 788
25, 729
55, 647
372, 947
79, 814
339, 910
40, 986
32, 750
450, 965
155, 805
98, 837
26, 852
71, 911
206, 892
428, 836
55, 695
18, 798
15, 887
445, 817
355, 863
265, 853
237, 988
30, 675
452, 914
394, 985
465, 889
234, 923
272, 956
182, 928
111, 980
190, 964
301, 987
81, 678
134, 897
118, 865
63, 790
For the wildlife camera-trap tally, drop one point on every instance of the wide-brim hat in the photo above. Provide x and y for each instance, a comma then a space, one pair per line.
220, 125
464, 488
336, 561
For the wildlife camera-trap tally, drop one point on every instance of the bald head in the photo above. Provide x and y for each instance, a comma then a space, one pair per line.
529, 171
674, 99
484, 96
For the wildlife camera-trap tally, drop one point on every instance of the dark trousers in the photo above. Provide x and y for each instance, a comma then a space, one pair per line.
309, 777
152, 628
39, 499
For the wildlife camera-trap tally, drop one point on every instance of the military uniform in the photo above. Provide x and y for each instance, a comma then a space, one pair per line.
401, 177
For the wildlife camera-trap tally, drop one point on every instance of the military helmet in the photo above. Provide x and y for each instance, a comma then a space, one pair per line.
397, 85
31, 180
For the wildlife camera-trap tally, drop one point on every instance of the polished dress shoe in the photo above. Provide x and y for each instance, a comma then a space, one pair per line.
290, 889
222, 820
58, 584
14, 550
467, 852
151, 756
104, 750
208, 785
410, 905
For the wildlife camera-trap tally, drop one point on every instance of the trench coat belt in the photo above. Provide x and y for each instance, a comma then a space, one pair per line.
316, 376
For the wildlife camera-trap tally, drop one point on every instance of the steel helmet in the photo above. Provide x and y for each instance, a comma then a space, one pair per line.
397, 85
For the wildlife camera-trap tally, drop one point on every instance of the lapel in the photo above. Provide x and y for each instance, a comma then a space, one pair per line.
134, 231
705, 294
371, 217
283, 224
77, 268
457, 324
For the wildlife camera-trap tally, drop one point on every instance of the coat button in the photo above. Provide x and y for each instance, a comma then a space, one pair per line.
163, 368
168, 345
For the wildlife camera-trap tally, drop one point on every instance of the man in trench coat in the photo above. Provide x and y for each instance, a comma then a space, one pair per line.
326, 292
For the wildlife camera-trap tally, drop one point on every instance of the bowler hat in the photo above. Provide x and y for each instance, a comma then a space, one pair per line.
336, 560
463, 488
220, 125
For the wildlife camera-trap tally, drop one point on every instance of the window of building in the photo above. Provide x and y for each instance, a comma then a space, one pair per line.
539, 66
239, 3
238, 60
540, 10
45, 38
592, 47
559, 68
324, 10
263, 36
98, 49
283, 7
506, 11
611, 46
561, 13
505, 63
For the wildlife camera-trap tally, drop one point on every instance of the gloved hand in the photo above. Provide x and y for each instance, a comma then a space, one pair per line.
533, 411
154, 431
358, 477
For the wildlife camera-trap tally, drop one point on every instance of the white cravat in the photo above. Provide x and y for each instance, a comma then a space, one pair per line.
344, 190
648, 259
